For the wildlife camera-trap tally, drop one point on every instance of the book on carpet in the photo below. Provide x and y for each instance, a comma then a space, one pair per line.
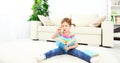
90, 53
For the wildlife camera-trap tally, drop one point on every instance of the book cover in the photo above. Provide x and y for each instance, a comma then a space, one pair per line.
90, 53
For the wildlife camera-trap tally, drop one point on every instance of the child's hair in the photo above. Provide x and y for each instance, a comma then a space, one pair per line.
68, 20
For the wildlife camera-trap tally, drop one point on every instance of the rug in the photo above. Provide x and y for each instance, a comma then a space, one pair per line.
25, 52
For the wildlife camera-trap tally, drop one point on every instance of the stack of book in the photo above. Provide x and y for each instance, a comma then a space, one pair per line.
117, 19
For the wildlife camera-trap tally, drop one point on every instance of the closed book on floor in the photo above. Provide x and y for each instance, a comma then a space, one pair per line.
90, 53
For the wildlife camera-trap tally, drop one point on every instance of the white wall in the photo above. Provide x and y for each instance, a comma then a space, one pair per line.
13, 19
61, 7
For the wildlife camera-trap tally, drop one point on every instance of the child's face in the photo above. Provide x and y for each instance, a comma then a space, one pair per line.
65, 27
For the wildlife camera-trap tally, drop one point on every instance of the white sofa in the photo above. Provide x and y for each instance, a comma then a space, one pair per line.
86, 32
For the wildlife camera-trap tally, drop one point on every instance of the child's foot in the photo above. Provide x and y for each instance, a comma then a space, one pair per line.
95, 59
40, 58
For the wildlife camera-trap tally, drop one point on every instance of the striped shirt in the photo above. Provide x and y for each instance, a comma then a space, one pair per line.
66, 39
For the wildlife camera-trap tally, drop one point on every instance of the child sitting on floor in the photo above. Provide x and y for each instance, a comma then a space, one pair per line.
66, 42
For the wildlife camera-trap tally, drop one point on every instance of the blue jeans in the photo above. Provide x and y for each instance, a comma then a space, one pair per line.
74, 52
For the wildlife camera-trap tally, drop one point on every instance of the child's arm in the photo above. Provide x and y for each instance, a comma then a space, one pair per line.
55, 34
71, 47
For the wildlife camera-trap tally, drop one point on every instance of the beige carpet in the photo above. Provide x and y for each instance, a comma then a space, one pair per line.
23, 51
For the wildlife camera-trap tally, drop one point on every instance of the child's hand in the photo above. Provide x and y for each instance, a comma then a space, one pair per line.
67, 48
59, 30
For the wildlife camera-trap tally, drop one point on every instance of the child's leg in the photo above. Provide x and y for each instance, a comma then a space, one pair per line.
54, 52
57, 51
79, 54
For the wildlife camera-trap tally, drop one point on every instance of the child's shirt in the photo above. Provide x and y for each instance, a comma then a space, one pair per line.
66, 39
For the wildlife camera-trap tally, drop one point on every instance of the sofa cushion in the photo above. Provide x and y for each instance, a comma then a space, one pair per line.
56, 19
86, 30
46, 21
83, 19
47, 28
82, 30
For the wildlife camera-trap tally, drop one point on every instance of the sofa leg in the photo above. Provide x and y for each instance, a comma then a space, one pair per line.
104, 46
107, 46
100, 45
50, 40
82, 44
35, 39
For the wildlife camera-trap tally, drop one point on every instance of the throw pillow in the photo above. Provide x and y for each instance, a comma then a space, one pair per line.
57, 18
99, 21
83, 20
46, 21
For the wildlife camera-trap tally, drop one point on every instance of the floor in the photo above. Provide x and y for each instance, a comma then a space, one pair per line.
111, 53
115, 51
116, 44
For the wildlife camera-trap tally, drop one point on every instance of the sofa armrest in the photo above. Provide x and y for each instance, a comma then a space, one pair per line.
107, 33
33, 29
